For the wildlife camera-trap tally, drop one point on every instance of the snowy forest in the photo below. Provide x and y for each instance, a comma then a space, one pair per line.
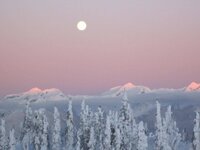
98, 130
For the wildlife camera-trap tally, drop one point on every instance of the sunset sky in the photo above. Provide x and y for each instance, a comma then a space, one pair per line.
147, 42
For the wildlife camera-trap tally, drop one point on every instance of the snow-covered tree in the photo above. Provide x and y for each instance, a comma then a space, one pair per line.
3, 140
158, 127
117, 139
26, 142
83, 118
125, 122
125, 111
111, 115
44, 136
99, 128
26, 133
134, 134
56, 139
12, 140
115, 132
107, 135
39, 130
142, 138
117, 135
161, 135
69, 128
78, 145
85, 121
91, 143
196, 131
37, 142
173, 135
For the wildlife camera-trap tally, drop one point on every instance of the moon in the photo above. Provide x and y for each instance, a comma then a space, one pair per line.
81, 25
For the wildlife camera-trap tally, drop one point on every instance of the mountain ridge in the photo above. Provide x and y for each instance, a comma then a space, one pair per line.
35, 94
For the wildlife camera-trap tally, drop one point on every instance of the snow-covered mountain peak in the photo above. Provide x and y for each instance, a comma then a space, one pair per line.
193, 86
34, 90
128, 85
36, 94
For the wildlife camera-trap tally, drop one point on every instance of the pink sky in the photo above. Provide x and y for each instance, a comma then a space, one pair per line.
153, 43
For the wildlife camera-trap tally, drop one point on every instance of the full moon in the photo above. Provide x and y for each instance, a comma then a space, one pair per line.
81, 25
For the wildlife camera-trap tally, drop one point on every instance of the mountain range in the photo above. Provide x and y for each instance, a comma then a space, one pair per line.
184, 101
53, 94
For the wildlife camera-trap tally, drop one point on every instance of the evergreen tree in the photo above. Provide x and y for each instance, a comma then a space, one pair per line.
40, 126
44, 137
56, 139
117, 139
3, 140
26, 134
142, 138
111, 115
173, 135
77, 147
161, 135
69, 128
125, 119
134, 134
196, 131
107, 135
82, 125
91, 143
159, 128
117, 135
125, 111
85, 120
99, 128
12, 140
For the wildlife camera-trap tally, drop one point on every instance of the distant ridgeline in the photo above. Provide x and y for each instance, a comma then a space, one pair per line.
97, 130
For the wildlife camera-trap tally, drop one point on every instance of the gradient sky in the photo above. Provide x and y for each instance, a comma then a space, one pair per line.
148, 42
